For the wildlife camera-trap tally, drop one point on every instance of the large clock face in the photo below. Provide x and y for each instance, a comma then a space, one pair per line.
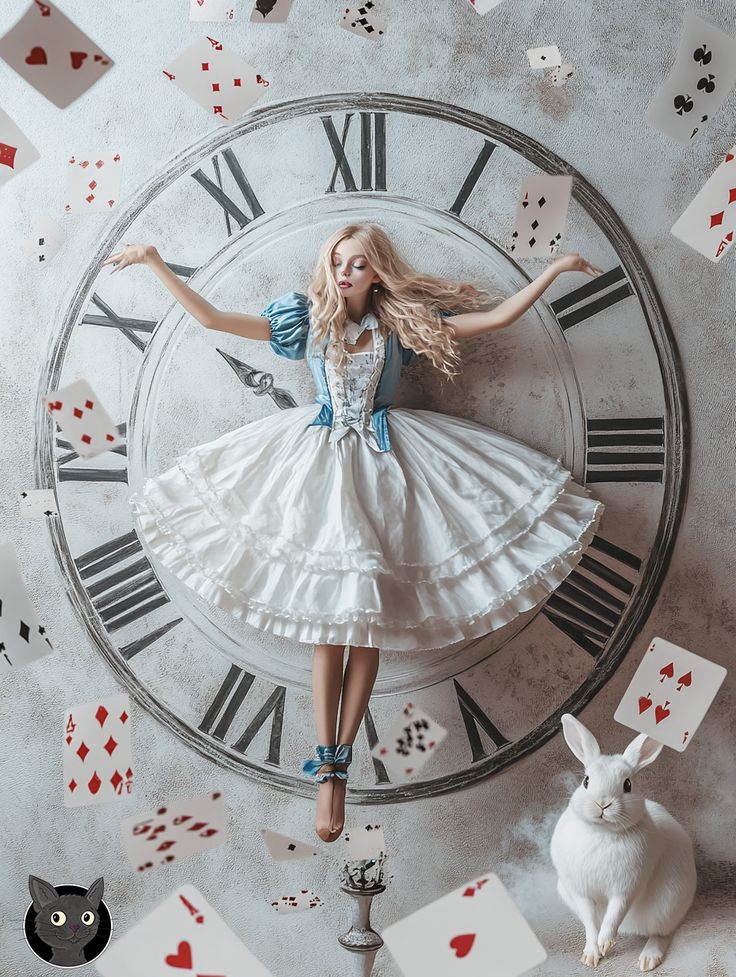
589, 375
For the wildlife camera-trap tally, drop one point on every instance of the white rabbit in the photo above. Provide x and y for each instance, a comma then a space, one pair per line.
623, 863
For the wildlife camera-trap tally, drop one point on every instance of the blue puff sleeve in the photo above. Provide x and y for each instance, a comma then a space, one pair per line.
408, 356
289, 318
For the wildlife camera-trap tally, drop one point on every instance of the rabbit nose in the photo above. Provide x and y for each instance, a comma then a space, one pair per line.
604, 806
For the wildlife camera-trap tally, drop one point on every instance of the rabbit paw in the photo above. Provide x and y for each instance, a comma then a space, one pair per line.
605, 944
591, 955
647, 963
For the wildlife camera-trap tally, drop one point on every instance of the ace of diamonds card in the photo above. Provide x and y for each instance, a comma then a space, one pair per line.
670, 694
98, 764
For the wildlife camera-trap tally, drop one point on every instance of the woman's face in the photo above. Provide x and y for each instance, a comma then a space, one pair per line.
353, 275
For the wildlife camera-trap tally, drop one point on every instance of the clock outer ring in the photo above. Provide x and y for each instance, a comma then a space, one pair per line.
676, 428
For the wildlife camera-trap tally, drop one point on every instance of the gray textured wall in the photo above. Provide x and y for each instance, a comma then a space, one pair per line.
438, 50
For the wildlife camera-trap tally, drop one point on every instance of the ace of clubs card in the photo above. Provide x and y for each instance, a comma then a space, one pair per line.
475, 931
182, 937
22, 638
53, 54
98, 764
82, 419
541, 215
709, 223
670, 694
175, 830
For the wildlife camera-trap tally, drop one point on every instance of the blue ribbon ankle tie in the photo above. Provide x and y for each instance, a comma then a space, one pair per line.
342, 754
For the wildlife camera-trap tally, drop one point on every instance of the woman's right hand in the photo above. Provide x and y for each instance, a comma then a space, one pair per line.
132, 254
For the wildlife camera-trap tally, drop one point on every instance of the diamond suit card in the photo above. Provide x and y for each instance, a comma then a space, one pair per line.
22, 637
16, 149
98, 764
175, 830
82, 419
709, 222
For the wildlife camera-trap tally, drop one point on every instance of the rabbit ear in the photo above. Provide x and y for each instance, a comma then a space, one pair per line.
580, 739
641, 752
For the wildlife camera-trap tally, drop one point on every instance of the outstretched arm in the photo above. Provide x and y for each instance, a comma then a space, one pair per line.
239, 323
476, 323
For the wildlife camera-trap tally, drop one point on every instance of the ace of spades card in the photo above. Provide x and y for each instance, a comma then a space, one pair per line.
98, 764
53, 54
544, 57
216, 78
16, 150
703, 74
175, 830
409, 743
22, 638
475, 931
541, 215
670, 694
282, 848
82, 419
709, 223
182, 937
363, 19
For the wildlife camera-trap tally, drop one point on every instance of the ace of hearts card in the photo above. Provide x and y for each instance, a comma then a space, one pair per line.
182, 936
475, 931
670, 694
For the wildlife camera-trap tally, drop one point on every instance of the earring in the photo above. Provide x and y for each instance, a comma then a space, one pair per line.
375, 289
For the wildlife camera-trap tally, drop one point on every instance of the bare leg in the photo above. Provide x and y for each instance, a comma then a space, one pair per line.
360, 677
327, 665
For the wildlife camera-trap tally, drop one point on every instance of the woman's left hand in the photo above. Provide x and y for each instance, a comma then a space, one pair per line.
575, 262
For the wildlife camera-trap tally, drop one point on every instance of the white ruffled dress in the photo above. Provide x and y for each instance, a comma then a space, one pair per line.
316, 534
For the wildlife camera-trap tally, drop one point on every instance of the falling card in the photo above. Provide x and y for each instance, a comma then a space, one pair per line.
670, 694
296, 902
409, 743
216, 78
98, 764
270, 11
285, 849
699, 81
53, 54
16, 151
182, 937
82, 419
544, 57
364, 20
37, 504
709, 223
541, 215
560, 76
175, 830
219, 10
364, 841
22, 638
483, 6
44, 238
475, 931
92, 183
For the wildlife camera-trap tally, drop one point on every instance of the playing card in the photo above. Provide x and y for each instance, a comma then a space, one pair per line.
37, 503
559, 76
670, 694
211, 10
22, 638
709, 223
541, 215
544, 57
483, 6
98, 764
296, 903
476, 931
92, 183
53, 54
16, 151
285, 849
270, 11
703, 74
363, 19
82, 419
364, 841
182, 937
175, 830
44, 238
217, 78
409, 742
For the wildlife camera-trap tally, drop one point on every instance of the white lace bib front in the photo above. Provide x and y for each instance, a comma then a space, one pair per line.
353, 391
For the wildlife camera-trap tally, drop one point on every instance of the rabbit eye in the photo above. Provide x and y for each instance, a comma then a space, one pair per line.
627, 786
88, 918
58, 918
586, 781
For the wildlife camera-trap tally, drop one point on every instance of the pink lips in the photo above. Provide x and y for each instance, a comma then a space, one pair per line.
344, 285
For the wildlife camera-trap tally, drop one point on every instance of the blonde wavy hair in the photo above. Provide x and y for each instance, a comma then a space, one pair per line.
405, 301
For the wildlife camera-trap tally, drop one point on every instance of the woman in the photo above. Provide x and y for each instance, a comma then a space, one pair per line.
353, 523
